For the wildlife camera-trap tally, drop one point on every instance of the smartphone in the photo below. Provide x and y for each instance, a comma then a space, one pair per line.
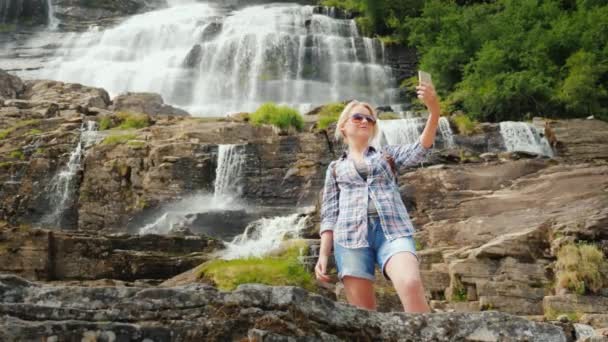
424, 76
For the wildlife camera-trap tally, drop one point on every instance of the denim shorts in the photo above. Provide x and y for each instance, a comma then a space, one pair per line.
361, 262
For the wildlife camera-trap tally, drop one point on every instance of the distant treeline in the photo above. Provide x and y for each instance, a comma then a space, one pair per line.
505, 59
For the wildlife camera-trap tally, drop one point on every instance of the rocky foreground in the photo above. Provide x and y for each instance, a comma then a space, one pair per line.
250, 313
489, 224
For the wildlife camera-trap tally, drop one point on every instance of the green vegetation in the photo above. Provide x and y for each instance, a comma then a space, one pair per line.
581, 268
118, 139
283, 269
464, 124
17, 154
459, 292
504, 59
552, 315
329, 114
125, 120
282, 117
23, 123
34, 131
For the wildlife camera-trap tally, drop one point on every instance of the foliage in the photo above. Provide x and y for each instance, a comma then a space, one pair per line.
581, 268
282, 117
504, 59
464, 124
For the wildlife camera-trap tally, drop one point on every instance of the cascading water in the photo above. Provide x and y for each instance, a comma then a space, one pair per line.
408, 130
62, 189
53, 23
525, 137
227, 175
212, 61
264, 235
230, 159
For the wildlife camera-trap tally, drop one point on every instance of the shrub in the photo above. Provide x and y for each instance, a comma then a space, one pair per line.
282, 117
464, 124
133, 120
284, 269
581, 268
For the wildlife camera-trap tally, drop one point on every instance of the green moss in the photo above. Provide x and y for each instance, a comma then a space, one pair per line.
17, 154
284, 269
125, 120
34, 131
6, 164
23, 123
118, 139
552, 315
329, 114
580, 268
105, 123
282, 117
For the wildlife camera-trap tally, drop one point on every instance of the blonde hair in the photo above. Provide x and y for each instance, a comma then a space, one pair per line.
345, 115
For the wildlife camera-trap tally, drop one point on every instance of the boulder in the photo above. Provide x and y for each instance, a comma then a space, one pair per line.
148, 103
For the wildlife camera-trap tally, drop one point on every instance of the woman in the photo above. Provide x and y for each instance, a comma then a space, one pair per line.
362, 214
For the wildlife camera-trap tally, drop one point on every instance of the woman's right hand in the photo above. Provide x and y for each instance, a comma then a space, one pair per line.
321, 269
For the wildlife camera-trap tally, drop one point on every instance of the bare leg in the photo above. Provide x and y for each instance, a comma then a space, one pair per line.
403, 269
360, 292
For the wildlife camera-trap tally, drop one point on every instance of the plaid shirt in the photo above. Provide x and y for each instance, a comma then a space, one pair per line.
345, 196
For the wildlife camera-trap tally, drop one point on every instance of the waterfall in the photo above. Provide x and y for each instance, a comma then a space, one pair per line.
264, 235
62, 187
446, 132
524, 137
229, 164
53, 23
227, 190
408, 130
213, 60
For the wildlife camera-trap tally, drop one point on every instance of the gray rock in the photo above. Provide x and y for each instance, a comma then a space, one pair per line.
148, 103
200, 312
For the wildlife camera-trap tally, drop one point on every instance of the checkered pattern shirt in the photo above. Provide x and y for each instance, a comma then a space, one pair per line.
345, 196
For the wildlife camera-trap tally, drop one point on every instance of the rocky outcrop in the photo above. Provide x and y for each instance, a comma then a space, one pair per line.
149, 103
79, 15
253, 312
11, 87
39, 254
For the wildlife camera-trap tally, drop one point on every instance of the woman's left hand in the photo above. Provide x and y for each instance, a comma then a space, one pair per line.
426, 92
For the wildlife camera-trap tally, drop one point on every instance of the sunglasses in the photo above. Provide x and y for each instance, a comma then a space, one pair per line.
358, 118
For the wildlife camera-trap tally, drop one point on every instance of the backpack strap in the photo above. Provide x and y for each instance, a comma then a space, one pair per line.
391, 162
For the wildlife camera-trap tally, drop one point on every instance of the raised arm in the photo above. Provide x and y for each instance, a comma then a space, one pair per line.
412, 154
